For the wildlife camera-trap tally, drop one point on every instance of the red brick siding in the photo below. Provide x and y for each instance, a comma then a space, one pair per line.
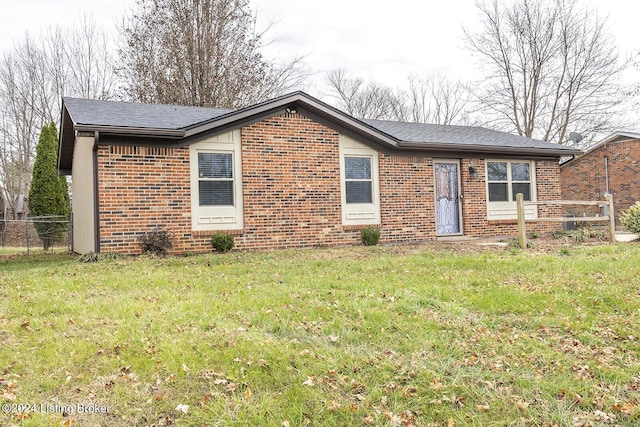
474, 203
584, 178
291, 192
141, 188
291, 185
407, 198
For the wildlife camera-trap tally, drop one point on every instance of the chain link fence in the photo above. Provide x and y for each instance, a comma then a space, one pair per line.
46, 232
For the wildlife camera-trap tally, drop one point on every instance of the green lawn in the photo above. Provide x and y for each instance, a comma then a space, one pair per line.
408, 335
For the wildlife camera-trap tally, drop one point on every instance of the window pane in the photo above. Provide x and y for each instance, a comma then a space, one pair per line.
216, 193
358, 192
498, 192
520, 171
357, 167
524, 188
215, 165
497, 171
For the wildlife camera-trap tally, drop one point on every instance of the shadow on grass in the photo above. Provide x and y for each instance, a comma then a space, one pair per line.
18, 259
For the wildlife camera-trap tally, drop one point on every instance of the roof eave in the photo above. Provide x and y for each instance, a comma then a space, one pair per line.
488, 149
129, 131
279, 105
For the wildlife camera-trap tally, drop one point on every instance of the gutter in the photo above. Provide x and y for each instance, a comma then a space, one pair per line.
137, 131
475, 148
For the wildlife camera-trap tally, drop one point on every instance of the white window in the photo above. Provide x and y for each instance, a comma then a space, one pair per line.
357, 179
215, 178
359, 182
505, 179
216, 183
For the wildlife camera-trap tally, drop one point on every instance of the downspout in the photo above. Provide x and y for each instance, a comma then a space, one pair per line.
606, 174
606, 184
96, 201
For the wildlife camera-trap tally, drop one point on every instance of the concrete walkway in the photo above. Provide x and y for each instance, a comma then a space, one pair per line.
625, 237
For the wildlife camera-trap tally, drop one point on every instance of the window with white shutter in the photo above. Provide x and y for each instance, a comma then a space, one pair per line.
216, 183
359, 183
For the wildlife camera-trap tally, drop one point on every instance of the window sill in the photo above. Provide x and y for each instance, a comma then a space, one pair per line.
502, 221
208, 233
355, 227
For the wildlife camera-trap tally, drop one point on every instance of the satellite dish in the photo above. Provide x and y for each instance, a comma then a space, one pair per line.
575, 137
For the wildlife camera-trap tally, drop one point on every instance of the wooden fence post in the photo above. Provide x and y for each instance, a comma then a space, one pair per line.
522, 229
612, 218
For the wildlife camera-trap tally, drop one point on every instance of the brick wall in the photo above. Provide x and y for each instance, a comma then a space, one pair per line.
291, 185
291, 190
141, 188
474, 202
407, 198
584, 178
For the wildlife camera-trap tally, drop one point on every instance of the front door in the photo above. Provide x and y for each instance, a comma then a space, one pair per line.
448, 218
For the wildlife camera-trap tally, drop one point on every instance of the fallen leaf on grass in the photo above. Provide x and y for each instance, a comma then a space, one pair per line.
182, 408
8, 396
333, 406
626, 408
369, 420
21, 416
436, 384
520, 404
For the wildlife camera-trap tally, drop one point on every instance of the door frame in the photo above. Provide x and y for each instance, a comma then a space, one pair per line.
457, 162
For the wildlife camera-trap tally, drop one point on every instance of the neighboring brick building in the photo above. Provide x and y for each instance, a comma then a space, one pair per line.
290, 172
612, 165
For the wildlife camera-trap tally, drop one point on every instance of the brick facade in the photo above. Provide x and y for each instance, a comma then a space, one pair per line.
474, 203
584, 178
291, 185
291, 190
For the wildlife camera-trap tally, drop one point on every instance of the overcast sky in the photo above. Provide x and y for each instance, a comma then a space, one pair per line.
382, 40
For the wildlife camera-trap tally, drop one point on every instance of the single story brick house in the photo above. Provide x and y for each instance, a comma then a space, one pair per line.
609, 166
290, 172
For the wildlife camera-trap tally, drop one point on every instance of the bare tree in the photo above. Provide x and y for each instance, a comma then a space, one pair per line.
429, 99
21, 84
436, 99
199, 52
551, 67
364, 100
33, 78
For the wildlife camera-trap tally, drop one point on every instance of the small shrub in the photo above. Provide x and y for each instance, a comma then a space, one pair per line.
370, 236
222, 241
157, 242
583, 234
99, 256
631, 218
564, 251
515, 243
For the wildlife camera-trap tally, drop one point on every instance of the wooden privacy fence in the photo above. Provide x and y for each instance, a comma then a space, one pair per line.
522, 229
